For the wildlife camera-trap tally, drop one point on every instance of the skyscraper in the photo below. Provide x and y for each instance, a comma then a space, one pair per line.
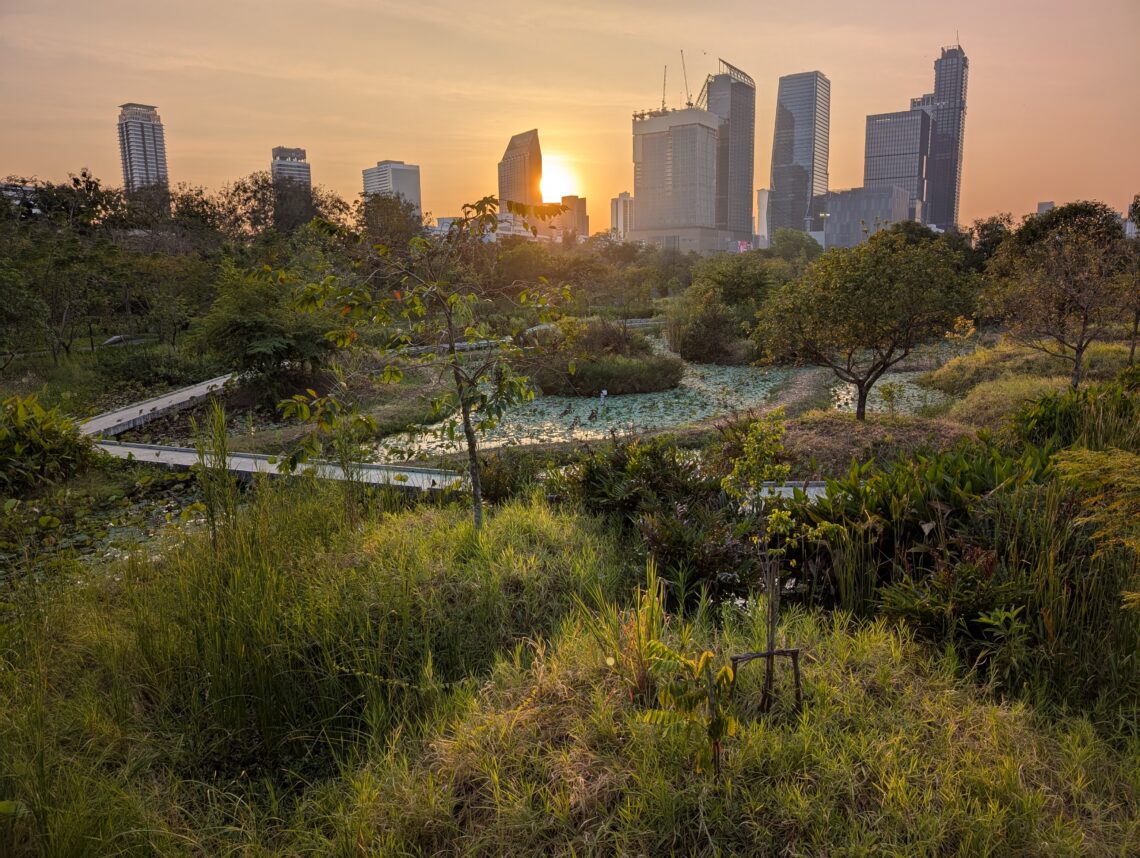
898, 153
799, 151
290, 164
621, 215
393, 178
520, 171
142, 146
947, 108
674, 178
731, 95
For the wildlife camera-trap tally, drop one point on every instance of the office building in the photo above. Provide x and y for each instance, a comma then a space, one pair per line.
574, 220
621, 215
763, 236
520, 171
1046, 206
731, 95
947, 109
897, 152
142, 146
393, 179
290, 165
800, 151
674, 179
852, 216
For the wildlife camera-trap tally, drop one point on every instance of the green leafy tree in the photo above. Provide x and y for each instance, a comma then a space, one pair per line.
1057, 281
254, 328
794, 246
429, 303
859, 311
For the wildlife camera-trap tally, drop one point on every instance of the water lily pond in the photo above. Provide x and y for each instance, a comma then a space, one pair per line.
705, 391
895, 392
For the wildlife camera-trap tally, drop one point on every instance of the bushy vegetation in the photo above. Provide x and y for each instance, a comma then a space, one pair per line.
260, 657
585, 358
1103, 361
891, 753
991, 404
37, 445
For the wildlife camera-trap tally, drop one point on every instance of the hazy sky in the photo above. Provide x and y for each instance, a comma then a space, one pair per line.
1053, 108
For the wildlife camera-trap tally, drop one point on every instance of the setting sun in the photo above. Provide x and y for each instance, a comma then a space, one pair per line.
558, 179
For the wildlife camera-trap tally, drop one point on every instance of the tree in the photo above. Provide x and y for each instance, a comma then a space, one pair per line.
1057, 281
256, 204
795, 247
859, 311
430, 307
254, 328
988, 234
388, 221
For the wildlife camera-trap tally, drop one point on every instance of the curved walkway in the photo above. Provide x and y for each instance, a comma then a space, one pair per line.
249, 464
246, 465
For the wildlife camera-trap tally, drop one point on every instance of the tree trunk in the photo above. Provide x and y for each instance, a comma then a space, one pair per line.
1078, 367
473, 464
1135, 333
861, 402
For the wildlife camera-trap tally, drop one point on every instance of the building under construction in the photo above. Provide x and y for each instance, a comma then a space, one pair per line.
692, 168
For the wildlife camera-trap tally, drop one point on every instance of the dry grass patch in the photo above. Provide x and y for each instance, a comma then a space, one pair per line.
822, 444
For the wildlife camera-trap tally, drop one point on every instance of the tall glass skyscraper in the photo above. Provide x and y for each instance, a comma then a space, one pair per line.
947, 108
898, 153
799, 151
520, 171
142, 146
731, 95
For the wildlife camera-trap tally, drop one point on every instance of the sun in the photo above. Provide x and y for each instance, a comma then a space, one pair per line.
558, 179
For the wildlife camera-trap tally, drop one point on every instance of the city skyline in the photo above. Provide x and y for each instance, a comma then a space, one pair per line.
1038, 130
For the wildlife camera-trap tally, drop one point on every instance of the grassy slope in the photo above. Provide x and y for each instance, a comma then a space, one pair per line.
304, 686
891, 755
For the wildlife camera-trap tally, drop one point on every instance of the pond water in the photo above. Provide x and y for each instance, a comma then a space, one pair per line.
705, 391
908, 396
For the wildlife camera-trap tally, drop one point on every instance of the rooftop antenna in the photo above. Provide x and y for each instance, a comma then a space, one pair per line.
664, 80
688, 92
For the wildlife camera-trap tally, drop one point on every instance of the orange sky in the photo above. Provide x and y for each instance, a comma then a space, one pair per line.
1053, 111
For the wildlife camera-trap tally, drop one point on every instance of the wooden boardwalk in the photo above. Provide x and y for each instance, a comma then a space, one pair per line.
116, 422
248, 465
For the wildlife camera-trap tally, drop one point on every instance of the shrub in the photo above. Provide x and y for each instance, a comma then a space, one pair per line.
509, 472
37, 445
615, 374
958, 376
151, 366
990, 404
583, 358
1098, 416
702, 329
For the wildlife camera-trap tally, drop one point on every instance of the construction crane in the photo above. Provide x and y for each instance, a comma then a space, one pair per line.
688, 92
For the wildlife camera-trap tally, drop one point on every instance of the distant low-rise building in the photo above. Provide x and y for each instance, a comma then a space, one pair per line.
621, 216
575, 219
763, 239
853, 216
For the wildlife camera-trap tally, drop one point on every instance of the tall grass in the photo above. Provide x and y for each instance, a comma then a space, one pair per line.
892, 754
177, 694
1102, 362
